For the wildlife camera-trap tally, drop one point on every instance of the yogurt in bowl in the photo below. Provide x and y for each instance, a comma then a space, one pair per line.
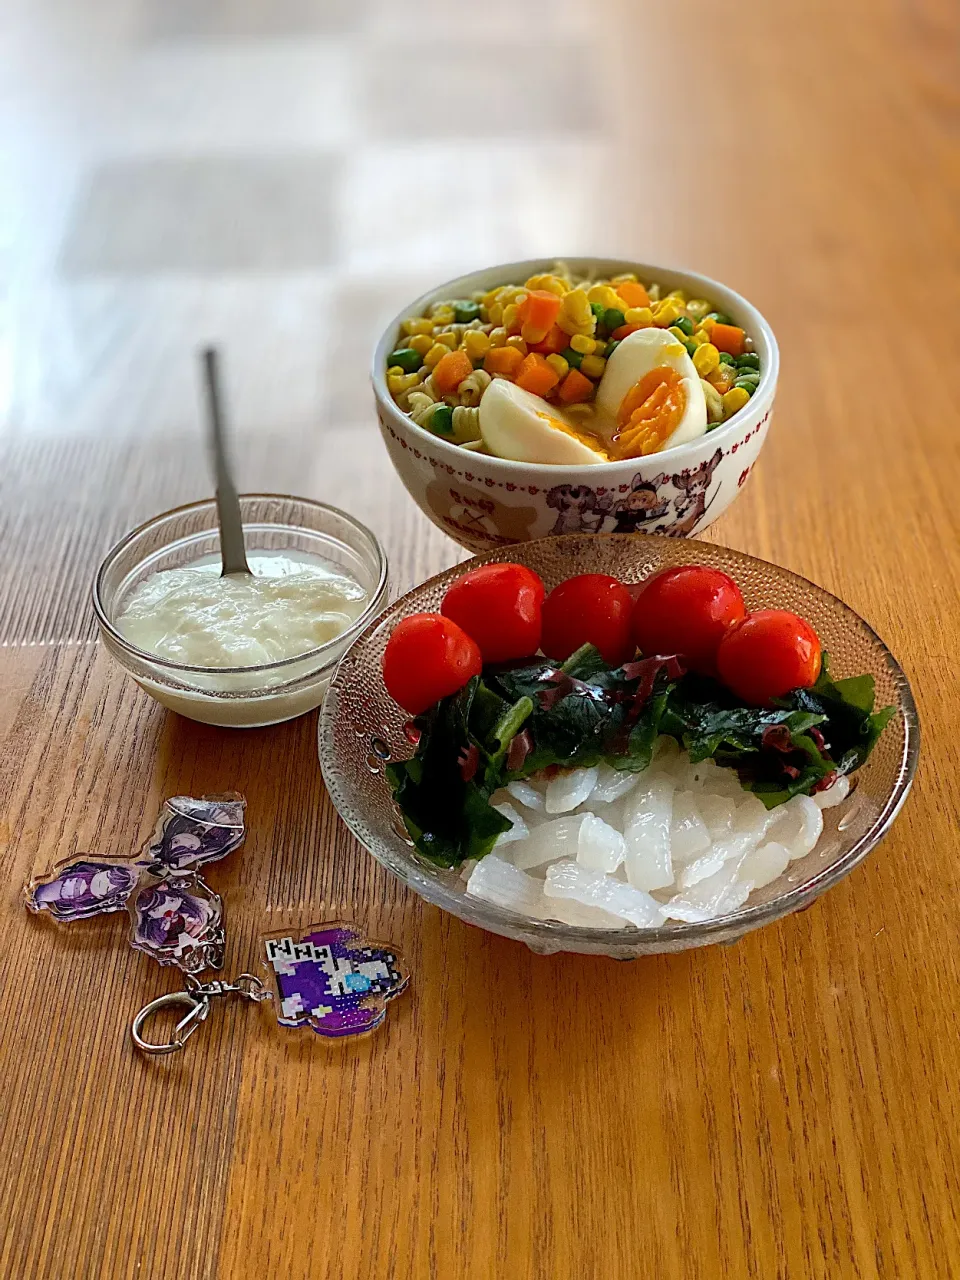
695, 464
234, 651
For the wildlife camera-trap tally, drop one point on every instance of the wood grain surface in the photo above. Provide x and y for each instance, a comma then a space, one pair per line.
784, 1108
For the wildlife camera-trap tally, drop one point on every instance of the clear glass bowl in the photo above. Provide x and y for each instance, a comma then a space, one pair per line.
361, 729
239, 697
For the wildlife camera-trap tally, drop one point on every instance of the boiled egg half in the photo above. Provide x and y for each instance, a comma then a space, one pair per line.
517, 424
652, 390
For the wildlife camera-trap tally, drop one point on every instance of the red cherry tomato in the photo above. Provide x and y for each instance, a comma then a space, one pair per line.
498, 605
588, 609
686, 610
767, 654
427, 658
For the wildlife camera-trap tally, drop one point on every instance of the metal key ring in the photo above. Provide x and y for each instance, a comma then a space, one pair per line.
199, 1007
197, 996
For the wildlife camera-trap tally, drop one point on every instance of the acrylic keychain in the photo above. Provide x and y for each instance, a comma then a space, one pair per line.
329, 978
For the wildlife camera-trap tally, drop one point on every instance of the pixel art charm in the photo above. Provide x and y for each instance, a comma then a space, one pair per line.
175, 917
332, 979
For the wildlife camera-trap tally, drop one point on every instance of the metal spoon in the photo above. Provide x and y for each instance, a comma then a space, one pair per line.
232, 552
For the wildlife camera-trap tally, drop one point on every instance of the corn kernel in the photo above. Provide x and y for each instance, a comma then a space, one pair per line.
575, 314
498, 337
580, 342
558, 365
549, 283
665, 313
415, 325
435, 355
700, 336
442, 313
495, 313
677, 333
697, 308
516, 341
449, 339
593, 366
412, 380
421, 343
510, 315
638, 315
606, 296
733, 401
678, 295
491, 297
395, 384
476, 344
706, 359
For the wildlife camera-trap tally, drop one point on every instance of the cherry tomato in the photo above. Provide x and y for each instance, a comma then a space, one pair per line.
427, 658
767, 654
588, 609
686, 610
499, 606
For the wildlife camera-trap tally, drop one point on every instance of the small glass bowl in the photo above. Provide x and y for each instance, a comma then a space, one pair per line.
238, 697
361, 729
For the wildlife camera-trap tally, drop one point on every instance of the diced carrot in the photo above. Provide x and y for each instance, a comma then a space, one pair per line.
536, 375
575, 388
727, 337
539, 311
504, 360
555, 342
633, 294
625, 330
451, 370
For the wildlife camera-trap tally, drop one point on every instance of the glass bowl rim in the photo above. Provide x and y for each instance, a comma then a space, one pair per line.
762, 398
487, 915
166, 664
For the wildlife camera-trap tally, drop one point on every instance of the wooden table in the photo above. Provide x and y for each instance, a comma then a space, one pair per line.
787, 1107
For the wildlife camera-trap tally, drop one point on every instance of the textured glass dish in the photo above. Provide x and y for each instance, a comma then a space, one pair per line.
247, 697
361, 729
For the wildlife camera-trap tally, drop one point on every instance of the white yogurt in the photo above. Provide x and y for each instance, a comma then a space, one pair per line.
286, 608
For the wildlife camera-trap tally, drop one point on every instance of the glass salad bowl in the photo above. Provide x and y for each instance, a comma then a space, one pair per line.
362, 729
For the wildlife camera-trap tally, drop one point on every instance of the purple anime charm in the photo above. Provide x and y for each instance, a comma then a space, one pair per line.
174, 916
332, 979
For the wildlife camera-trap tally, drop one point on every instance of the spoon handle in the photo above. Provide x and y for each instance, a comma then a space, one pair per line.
232, 551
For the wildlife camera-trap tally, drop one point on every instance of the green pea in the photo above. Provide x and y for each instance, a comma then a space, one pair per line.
727, 358
609, 349
748, 361
720, 317
691, 347
613, 319
748, 384
408, 359
573, 358
464, 312
441, 420
685, 325
598, 310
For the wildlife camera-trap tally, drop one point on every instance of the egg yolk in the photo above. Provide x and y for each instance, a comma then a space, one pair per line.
649, 413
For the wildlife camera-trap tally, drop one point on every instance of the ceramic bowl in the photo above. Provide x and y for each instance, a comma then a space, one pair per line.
484, 502
361, 729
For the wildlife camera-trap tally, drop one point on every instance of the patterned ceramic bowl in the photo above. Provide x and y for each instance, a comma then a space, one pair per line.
484, 502
361, 728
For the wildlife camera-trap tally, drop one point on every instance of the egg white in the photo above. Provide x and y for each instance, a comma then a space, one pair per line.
636, 355
517, 424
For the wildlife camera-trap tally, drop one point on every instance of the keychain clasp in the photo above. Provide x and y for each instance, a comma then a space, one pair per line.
197, 996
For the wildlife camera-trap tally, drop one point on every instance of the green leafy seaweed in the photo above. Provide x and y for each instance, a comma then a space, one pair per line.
517, 720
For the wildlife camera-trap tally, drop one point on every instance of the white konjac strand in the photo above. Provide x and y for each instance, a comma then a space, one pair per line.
679, 841
286, 608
